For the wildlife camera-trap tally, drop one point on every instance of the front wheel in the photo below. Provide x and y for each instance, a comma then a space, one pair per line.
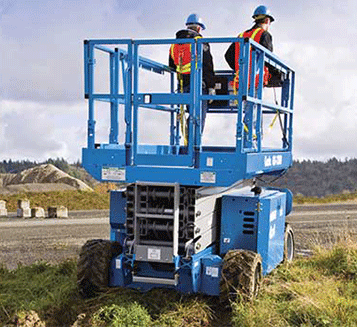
93, 266
241, 274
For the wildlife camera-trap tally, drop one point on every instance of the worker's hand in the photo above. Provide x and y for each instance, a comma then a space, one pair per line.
211, 91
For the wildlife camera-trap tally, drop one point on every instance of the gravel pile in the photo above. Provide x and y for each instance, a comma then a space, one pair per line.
42, 178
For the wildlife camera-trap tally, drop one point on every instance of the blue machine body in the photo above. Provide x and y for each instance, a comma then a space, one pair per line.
175, 223
255, 223
248, 221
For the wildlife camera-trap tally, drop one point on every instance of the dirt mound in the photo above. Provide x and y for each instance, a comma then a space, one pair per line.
42, 178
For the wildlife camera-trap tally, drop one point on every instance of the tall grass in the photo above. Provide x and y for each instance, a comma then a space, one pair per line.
48, 290
51, 292
316, 291
299, 199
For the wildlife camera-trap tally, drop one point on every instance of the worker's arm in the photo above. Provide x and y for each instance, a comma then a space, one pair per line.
230, 56
266, 41
208, 71
171, 63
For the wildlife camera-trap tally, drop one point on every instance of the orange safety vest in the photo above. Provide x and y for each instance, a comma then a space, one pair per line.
254, 34
181, 55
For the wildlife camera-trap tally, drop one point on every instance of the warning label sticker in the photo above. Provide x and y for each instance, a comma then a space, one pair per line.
212, 271
208, 177
113, 174
154, 254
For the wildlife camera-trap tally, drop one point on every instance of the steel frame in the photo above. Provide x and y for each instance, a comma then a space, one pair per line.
173, 162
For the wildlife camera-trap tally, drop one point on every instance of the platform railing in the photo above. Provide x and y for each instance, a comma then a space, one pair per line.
249, 107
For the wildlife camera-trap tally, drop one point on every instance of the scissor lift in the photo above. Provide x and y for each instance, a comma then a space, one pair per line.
182, 220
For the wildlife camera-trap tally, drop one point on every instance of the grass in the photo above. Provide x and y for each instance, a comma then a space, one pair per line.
73, 200
299, 199
51, 292
317, 291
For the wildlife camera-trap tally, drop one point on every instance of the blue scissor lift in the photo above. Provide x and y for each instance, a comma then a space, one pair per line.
184, 220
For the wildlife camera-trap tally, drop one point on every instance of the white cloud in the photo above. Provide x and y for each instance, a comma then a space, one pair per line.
43, 112
38, 131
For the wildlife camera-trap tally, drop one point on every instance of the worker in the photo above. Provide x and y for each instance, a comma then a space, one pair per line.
180, 61
259, 33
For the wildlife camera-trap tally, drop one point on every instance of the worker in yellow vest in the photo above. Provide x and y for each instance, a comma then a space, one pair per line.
180, 61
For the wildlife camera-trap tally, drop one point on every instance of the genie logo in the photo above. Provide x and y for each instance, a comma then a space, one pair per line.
275, 160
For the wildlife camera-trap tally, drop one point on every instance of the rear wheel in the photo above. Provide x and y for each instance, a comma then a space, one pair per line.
93, 266
289, 244
241, 274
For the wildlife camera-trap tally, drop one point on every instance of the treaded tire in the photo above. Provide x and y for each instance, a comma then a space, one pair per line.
289, 244
241, 274
93, 266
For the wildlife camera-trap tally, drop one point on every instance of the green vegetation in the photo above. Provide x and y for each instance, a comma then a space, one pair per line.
99, 199
320, 179
114, 315
317, 291
299, 199
51, 292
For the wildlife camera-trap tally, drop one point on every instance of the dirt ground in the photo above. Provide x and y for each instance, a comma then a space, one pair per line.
51, 240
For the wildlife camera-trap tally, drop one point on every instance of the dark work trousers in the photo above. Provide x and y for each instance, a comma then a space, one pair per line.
186, 89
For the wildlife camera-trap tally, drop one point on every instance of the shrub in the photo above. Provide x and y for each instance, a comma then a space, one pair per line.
130, 315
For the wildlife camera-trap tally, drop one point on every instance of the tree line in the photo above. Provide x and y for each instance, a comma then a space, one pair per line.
316, 178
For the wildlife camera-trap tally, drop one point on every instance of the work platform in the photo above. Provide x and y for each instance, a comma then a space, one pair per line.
127, 160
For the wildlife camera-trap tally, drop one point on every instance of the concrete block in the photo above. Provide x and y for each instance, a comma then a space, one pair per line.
2, 204
23, 204
57, 212
24, 213
38, 212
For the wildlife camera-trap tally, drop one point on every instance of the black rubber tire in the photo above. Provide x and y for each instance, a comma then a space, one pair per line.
241, 274
93, 266
289, 244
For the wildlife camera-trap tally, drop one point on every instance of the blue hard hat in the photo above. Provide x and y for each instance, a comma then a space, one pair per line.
262, 12
194, 19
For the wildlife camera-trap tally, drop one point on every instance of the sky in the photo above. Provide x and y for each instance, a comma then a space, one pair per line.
43, 113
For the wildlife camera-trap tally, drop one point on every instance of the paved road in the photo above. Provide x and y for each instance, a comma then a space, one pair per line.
28, 240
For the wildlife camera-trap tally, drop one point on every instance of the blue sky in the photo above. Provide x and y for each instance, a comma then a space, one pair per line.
42, 110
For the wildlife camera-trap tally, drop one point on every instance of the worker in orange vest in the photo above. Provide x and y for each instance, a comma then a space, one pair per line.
180, 61
259, 33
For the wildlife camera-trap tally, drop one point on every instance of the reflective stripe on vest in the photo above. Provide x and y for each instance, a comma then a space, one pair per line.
255, 34
181, 55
